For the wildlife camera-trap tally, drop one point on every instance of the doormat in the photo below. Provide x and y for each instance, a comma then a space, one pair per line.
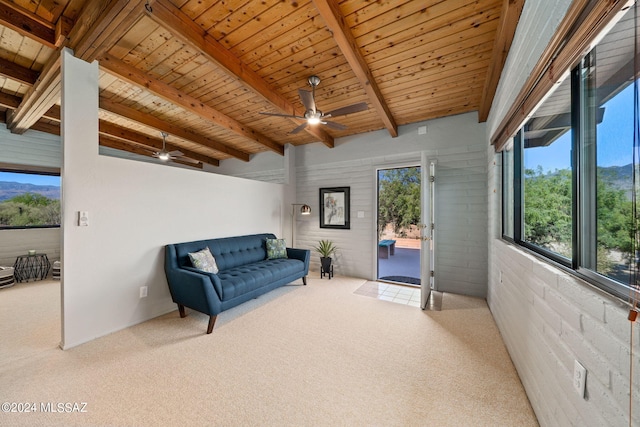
401, 279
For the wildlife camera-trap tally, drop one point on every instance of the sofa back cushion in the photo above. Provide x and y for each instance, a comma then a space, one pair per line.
228, 252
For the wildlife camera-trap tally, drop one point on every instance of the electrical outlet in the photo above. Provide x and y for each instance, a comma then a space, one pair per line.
579, 378
143, 291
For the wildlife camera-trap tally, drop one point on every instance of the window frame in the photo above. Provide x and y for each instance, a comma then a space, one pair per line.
580, 203
34, 171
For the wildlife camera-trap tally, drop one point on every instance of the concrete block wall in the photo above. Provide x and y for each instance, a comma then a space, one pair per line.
548, 319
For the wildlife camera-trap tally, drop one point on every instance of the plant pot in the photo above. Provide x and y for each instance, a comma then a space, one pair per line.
325, 265
325, 262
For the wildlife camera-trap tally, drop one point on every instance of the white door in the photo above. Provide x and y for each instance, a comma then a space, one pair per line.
427, 271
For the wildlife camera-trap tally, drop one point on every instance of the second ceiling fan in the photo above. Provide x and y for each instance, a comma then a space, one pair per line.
313, 116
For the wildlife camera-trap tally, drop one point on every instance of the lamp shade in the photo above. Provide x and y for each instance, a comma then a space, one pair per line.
305, 210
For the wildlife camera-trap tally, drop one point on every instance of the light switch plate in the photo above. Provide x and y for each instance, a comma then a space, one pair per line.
83, 218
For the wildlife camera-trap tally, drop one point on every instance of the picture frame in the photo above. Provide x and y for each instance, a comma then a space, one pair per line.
335, 208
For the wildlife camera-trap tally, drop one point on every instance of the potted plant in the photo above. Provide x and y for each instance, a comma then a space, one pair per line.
326, 248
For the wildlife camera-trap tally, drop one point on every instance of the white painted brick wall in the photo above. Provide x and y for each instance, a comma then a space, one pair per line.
547, 317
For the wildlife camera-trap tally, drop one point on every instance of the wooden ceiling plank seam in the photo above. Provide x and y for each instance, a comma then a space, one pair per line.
236, 21
272, 28
27, 23
163, 126
374, 9
448, 36
467, 62
182, 26
397, 58
140, 32
430, 10
345, 40
396, 33
509, 17
169, 93
394, 70
261, 41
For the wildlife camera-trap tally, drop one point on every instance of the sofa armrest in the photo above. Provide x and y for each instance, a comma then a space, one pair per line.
303, 255
195, 289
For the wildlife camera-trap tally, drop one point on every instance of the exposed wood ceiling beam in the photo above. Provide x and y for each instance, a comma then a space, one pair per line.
9, 101
106, 141
27, 76
332, 16
28, 24
17, 73
40, 97
509, 17
162, 126
172, 18
155, 144
99, 24
115, 131
139, 78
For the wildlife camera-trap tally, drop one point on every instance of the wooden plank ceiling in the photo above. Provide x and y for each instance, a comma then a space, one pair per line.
203, 71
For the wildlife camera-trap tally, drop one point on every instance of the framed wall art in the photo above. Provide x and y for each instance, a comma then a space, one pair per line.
334, 208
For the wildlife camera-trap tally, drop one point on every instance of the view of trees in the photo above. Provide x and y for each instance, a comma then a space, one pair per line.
29, 209
548, 216
398, 199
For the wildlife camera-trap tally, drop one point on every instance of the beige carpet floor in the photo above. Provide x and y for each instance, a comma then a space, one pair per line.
299, 356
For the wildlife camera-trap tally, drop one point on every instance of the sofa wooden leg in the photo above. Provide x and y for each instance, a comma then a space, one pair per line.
212, 321
181, 310
304, 280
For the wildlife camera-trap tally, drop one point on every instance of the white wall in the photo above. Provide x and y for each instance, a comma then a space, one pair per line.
135, 209
548, 318
458, 145
30, 149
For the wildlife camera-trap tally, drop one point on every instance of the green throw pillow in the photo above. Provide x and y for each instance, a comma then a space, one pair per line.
204, 260
276, 248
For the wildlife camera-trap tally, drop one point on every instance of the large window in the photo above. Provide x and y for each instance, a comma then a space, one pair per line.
546, 178
29, 200
573, 201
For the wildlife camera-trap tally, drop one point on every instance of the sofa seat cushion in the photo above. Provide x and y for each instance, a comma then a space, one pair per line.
240, 280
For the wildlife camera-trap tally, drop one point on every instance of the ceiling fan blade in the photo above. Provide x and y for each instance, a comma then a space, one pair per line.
336, 126
187, 159
355, 108
176, 153
307, 100
299, 128
282, 115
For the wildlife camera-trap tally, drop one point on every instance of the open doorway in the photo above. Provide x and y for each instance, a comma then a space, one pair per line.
398, 230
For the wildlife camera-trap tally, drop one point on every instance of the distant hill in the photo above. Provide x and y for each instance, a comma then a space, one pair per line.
619, 177
9, 190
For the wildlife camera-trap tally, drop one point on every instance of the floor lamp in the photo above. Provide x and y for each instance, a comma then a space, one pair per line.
304, 210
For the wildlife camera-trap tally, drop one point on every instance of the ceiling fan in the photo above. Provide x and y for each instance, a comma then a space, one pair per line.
165, 155
313, 116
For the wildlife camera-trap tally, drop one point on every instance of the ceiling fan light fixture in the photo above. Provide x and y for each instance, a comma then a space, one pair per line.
313, 120
314, 81
164, 156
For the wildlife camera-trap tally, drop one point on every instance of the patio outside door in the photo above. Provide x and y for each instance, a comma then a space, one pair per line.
398, 232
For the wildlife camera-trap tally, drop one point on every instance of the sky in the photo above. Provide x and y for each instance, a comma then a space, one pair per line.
615, 139
28, 178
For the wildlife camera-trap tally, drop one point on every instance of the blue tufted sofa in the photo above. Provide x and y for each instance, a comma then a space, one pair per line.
245, 273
